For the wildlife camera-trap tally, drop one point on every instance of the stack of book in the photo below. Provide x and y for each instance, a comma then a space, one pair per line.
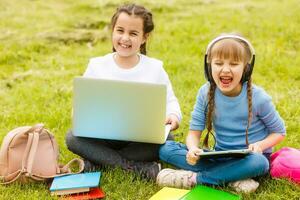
203, 192
168, 193
78, 186
199, 192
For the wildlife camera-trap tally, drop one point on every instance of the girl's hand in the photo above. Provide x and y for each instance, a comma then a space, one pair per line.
255, 147
192, 155
173, 120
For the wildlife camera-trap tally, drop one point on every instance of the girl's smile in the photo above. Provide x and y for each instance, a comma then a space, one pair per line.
227, 75
225, 80
127, 38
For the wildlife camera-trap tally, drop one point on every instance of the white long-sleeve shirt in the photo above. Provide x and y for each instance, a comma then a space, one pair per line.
149, 70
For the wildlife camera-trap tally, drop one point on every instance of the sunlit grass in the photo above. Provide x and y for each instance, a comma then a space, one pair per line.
44, 44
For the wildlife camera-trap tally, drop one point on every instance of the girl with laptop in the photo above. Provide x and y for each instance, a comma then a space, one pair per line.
131, 27
242, 116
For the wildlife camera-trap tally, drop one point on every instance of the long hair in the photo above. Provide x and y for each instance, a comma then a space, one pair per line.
138, 11
233, 49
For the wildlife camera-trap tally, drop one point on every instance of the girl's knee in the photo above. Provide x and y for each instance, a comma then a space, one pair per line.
169, 148
70, 140
259, 163
165, 148
75, 144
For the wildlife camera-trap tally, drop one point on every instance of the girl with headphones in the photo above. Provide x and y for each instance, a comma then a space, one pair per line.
239, 114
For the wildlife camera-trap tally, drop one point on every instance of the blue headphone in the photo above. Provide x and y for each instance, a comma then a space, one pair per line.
249, 67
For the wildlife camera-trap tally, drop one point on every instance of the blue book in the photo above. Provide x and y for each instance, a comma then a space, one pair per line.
75, 182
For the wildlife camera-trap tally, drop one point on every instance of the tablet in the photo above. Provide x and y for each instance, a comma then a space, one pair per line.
227, 153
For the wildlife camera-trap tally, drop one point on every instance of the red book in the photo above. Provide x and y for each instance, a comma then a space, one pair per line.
94, 193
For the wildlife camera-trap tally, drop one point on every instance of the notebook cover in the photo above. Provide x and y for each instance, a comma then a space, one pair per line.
73, 181
69, 191
201, 192
94, 193
168, 193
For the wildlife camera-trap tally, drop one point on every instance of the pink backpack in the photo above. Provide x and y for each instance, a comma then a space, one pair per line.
285, 163
31, 154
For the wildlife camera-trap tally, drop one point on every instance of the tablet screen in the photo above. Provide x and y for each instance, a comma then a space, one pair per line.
227, 153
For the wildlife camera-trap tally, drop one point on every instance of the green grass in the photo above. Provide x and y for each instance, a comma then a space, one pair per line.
44, 44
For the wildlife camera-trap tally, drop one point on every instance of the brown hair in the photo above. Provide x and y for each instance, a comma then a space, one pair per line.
237, 50
229, 48
138, 11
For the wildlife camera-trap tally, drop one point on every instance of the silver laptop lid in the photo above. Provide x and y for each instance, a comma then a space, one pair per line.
119, 110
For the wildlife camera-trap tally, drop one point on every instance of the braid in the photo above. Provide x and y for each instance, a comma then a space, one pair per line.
210, 112
143, 49
249, 97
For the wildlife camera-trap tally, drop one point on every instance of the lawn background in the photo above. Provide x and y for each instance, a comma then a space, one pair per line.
44, 44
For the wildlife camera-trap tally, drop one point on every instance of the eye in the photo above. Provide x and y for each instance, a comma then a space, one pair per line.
134, 33
234, 64
119, 30
218, 63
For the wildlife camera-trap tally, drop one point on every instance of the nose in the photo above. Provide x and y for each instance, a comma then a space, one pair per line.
226, 68
125, 37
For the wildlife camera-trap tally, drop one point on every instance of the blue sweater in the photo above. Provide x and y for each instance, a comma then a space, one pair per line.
231, 117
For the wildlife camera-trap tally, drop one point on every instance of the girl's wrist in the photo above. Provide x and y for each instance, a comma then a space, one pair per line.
193, 148
173, 115
260, 145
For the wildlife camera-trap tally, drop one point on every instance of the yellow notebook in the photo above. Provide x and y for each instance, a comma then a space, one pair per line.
168, 193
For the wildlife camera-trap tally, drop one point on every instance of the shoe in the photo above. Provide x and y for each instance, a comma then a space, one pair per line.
175, 178
150, 170
90, 166
147, 170
245, 186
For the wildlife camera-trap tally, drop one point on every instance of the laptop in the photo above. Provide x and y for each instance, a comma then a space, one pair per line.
119, 110
222, 154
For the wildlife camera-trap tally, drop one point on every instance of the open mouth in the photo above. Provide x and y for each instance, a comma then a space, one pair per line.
225, 80
125, 46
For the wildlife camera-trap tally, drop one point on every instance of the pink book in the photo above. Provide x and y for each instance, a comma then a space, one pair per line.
94, 193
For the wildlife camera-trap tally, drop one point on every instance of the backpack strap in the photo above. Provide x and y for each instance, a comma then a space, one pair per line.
15, 174
64, 170
36, 128
34, 133
35, 141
